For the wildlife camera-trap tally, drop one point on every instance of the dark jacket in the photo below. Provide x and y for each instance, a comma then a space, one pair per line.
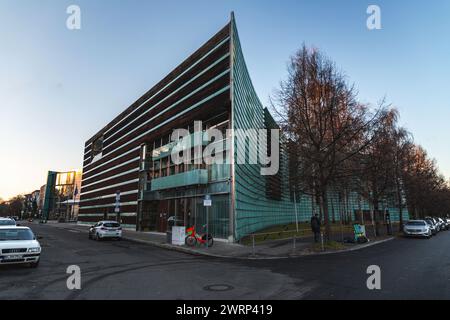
315, 224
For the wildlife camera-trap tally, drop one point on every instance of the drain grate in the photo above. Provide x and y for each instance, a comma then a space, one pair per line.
218, 287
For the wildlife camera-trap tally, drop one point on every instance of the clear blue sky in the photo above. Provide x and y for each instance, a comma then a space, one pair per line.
58, 87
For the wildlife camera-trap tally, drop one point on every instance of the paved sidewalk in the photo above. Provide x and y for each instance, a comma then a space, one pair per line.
280, 249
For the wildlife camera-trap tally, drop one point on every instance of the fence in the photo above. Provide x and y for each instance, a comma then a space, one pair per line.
339, 233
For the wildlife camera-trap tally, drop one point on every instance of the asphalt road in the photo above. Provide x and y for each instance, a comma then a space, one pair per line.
410, 269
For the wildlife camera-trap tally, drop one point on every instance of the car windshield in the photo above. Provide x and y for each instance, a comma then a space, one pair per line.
7, 222
416, 223
111, 225
16, 234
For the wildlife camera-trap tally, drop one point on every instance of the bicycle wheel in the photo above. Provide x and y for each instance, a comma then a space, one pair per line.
191, 241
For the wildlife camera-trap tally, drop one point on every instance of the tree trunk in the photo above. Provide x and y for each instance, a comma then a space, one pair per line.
347, 210
332, 211
377, 222
326, 215
373, 222
400, 206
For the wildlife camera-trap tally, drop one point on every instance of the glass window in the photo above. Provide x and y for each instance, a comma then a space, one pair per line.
16, 234
165, 139
97, 146
111, 225
7, 222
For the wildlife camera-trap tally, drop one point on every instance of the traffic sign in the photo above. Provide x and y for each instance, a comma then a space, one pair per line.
207, 202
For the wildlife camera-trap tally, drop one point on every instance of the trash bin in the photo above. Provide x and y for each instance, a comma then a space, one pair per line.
169, 237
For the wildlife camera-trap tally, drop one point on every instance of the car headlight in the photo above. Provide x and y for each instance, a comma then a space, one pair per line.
34, 250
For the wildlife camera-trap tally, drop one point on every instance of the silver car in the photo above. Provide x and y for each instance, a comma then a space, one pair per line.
417, 228
444, 225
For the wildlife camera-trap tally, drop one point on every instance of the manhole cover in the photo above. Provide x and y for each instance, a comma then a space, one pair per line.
218, 287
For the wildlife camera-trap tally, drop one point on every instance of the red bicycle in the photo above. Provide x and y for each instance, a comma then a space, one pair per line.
193, 238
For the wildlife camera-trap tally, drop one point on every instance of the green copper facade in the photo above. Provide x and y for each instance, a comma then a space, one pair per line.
253, 209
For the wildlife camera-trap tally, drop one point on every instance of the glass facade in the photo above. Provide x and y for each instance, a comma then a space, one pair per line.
244, 200
171, 189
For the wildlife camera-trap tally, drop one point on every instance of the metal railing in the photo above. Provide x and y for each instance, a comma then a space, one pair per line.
295, 235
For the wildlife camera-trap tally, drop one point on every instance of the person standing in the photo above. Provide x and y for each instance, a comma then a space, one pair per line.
315, 227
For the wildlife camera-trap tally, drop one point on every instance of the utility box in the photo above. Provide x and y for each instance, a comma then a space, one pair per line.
178, 236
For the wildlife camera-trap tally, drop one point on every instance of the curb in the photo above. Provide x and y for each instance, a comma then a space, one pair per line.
174, 248
363, 246
292, 256
212, 255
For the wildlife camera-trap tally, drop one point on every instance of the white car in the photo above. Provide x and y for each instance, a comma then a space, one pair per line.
105, 229
417, 228
18, 245
7, 222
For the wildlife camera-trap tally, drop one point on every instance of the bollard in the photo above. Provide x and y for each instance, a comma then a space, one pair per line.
294, 242
253, 245
321, 240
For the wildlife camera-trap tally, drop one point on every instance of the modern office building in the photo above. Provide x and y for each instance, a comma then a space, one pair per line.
61, 195
128, 173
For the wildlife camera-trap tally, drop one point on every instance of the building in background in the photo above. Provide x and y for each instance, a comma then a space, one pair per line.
61, 196
127, 164
41, 200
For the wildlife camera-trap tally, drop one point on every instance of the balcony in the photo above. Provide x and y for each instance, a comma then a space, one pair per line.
193, 140
194, 177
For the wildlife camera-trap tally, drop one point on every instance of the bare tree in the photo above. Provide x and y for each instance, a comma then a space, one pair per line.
16, 206
325, 123
403, 144
376, 165
427, 191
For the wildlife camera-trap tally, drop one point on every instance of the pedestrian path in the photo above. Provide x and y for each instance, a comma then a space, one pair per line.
279, 249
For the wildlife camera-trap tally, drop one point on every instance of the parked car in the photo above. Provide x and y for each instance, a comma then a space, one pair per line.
417, 228
444, 225
105, 229
439, 222
18, 245
433, 227
436, 224
7, 222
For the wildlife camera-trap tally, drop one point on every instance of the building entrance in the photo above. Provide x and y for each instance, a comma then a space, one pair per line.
186, 212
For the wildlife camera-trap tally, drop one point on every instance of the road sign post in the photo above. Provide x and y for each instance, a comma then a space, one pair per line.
207, 202
117, 206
